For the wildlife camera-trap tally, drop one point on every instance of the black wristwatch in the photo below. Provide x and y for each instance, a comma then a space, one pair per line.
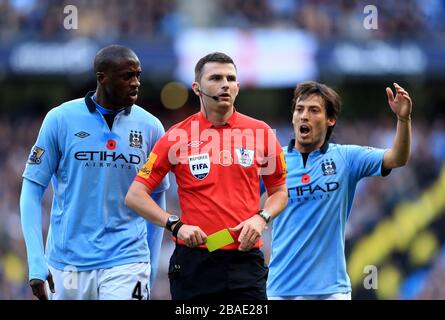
171, 221
265, 215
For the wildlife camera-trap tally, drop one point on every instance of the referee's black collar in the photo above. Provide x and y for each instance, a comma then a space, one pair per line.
92, 106
322, 149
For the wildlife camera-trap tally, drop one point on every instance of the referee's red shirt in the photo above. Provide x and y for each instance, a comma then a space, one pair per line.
217, 169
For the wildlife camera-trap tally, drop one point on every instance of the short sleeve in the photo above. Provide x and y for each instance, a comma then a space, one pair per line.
157, 166
165, 183
274, 171
364, 161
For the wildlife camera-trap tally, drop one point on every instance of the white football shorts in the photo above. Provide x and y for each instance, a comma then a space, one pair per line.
124, 282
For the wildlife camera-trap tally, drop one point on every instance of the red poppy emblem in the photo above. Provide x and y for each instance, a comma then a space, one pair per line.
111, 144
306, 178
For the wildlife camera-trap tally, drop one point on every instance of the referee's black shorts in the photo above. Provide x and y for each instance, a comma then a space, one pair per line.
196, 273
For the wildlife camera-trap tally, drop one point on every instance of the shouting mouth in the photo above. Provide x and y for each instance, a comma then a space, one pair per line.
304, 131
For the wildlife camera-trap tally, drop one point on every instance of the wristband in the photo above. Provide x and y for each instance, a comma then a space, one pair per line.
176, 228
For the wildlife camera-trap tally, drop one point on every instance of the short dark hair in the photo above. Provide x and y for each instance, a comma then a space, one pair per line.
110, 56
332, 100
211, 57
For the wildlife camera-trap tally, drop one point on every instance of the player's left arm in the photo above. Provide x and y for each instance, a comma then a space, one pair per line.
401, 105
154, 238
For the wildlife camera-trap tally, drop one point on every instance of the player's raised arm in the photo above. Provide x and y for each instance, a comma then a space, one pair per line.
401, 105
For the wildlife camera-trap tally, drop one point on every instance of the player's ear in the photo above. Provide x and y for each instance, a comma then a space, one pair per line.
332, 122
100, 76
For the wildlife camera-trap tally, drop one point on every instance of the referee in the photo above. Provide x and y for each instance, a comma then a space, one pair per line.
217, 156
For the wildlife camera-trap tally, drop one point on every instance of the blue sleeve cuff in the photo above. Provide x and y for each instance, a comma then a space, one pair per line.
154, 238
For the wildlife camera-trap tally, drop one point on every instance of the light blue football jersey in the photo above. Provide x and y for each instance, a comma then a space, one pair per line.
308, 237
91, 168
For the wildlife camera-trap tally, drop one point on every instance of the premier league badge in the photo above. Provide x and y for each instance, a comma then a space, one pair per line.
36, 154
245, 156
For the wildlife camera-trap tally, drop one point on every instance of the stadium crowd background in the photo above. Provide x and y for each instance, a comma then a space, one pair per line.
397, 223
114, 19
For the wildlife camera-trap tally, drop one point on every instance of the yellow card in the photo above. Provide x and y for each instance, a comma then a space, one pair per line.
219, 239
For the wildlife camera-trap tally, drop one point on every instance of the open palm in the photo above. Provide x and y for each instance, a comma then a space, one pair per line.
401, 104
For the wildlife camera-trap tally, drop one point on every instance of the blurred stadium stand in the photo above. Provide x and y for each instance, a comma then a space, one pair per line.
397, 223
